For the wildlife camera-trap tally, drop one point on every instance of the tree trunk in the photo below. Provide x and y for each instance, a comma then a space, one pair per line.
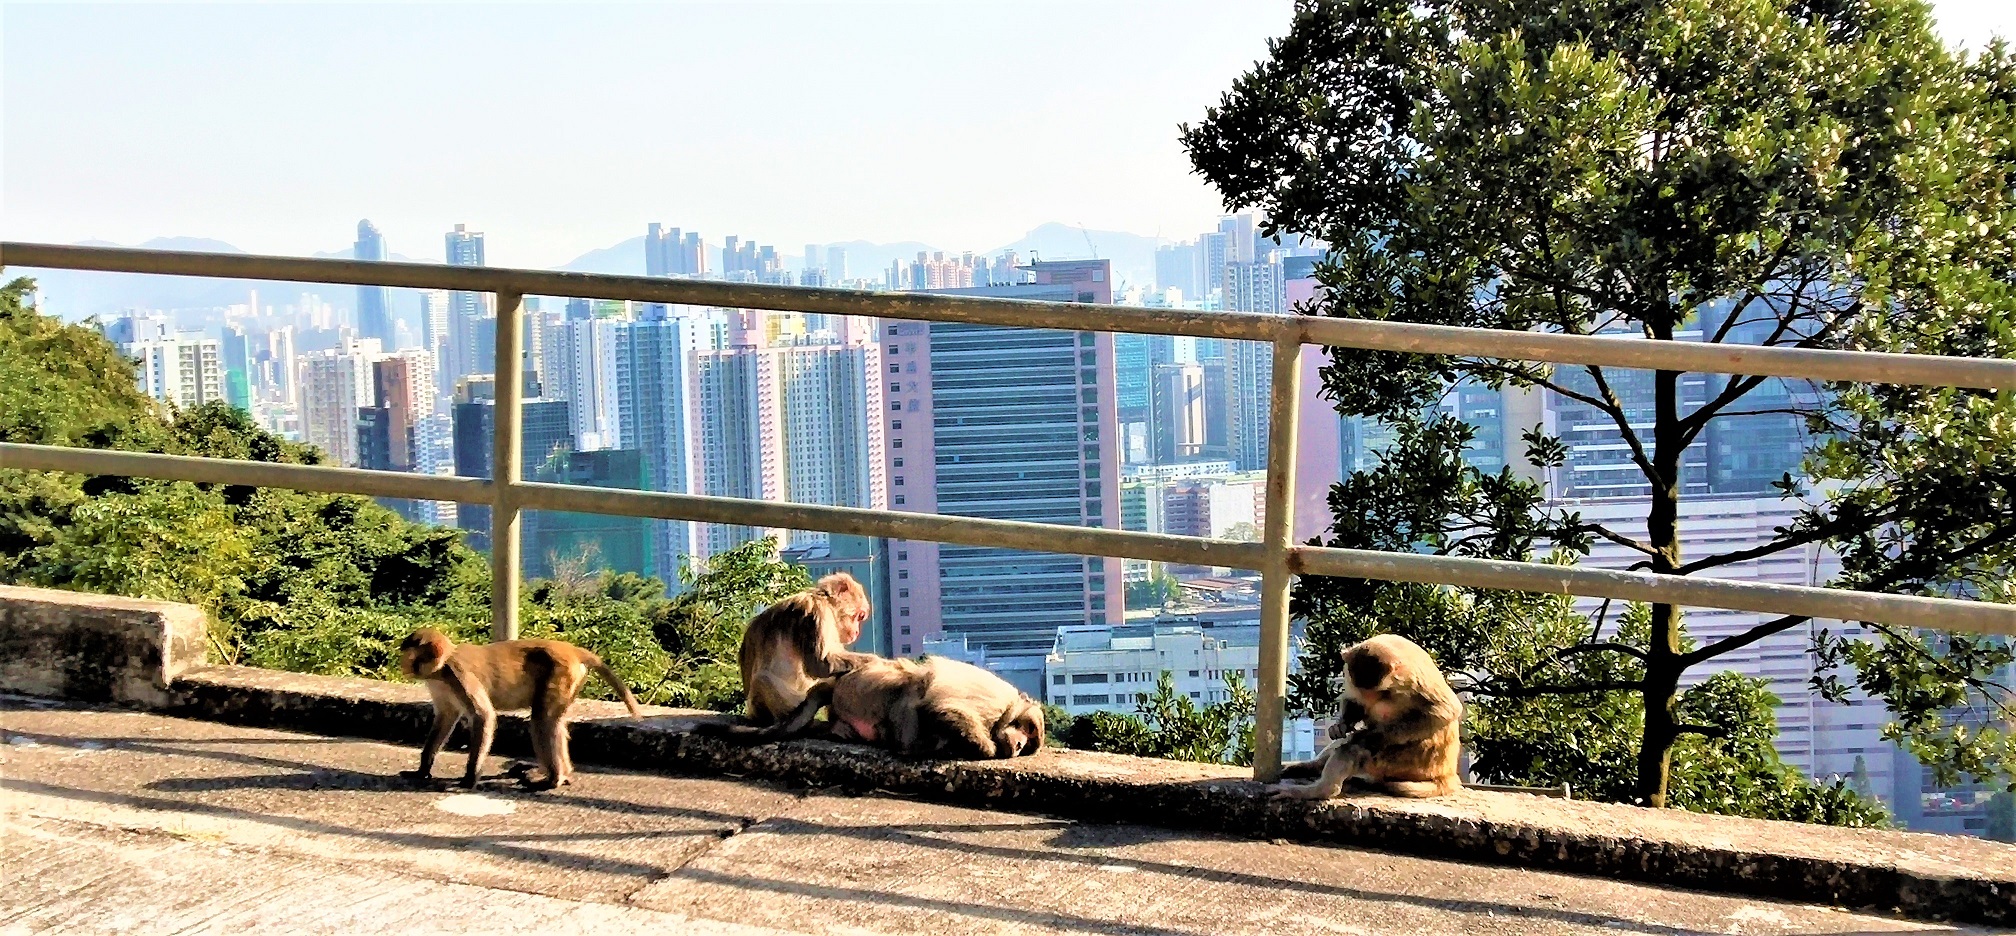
1661, 690
1662, 527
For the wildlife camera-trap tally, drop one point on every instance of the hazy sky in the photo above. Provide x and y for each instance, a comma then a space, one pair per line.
560, 129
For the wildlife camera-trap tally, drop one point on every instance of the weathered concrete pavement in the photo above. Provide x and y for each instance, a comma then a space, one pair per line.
123, 822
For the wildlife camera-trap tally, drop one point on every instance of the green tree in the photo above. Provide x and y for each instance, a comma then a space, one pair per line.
1154, 592
2001, 811
1763, 171
1170, 725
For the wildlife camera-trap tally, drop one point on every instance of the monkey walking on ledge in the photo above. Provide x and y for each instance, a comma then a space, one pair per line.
472, 682
1400, 728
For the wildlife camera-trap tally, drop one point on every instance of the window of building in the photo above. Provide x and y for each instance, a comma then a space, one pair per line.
899, 500
895, 329
1058, 679
892, 349
1080, 679
895, 424
906, 630
906, 648
1085, 339
1196, 695
902, 593
1091, 699
1088, 358
902, 554
902, 612
902, 573
896, 443
894, 367
1193, 674
1088, 395
899, 480
895, 406
895, 387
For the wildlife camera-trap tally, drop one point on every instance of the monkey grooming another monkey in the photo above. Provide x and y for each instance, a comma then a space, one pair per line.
1399, 729
937, 708
473, 682
798, 640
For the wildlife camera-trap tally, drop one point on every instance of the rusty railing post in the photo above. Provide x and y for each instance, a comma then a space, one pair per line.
1284, 411
507, 467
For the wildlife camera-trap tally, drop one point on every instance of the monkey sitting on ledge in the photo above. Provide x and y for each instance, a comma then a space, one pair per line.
1399, 731
472, 682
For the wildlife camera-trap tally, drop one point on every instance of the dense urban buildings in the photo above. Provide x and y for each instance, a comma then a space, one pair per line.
374, 304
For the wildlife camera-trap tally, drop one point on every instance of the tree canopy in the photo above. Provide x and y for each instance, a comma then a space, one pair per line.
1775, 172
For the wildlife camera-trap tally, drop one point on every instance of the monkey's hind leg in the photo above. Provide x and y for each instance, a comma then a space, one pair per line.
1341, 761
482, 730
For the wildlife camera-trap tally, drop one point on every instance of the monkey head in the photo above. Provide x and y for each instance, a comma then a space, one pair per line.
423, 652
1022, 734
850, 604
1368, 674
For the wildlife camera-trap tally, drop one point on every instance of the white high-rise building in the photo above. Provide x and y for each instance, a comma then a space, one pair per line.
580, 367
186, 369
654, 366
334, 384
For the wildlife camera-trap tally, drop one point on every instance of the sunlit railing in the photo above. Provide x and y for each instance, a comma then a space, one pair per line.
1276, 557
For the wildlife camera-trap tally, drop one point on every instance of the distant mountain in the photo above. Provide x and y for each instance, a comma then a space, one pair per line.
79, 294
624, 259
1133, 255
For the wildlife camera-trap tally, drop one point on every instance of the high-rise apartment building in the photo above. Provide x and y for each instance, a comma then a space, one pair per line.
374, 306
1179, 266
235, 351
580, 367
467, 353
836, 264
1178, 395
655, 416
335, 384
186, 370
1009, 423
788, 418
670, 252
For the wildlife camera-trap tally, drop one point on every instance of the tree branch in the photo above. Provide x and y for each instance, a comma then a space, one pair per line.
1623, 422
1608, 647
1739, 641
1531, 692
1618, 538
1706, 731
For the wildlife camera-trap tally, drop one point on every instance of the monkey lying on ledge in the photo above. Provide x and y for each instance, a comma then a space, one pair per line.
937, 708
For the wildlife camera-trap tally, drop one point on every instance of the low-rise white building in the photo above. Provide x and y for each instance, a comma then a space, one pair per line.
1099, 667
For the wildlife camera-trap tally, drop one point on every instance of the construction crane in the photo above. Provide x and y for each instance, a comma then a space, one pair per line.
1088, 240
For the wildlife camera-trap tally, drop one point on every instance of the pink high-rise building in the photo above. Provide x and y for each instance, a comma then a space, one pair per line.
1006, 423
790, 416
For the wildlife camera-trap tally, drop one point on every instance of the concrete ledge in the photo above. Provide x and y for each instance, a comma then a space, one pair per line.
96, 647
1920, 875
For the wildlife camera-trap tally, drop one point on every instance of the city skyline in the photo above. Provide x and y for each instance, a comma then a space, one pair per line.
345, 89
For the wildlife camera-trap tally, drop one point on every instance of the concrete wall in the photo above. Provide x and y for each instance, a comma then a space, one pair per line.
97, 648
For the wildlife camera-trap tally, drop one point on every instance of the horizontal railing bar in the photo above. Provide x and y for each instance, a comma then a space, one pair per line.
326, 479
901, 305
1978, 617
937, 528
1796, 363
1902, 610
1697, 356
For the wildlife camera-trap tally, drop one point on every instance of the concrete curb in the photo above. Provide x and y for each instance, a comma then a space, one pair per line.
1919, 875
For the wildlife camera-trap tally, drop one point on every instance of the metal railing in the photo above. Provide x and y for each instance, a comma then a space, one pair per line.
1276, 557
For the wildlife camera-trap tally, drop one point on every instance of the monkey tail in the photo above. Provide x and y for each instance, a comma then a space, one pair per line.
1422, 789
615, 682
